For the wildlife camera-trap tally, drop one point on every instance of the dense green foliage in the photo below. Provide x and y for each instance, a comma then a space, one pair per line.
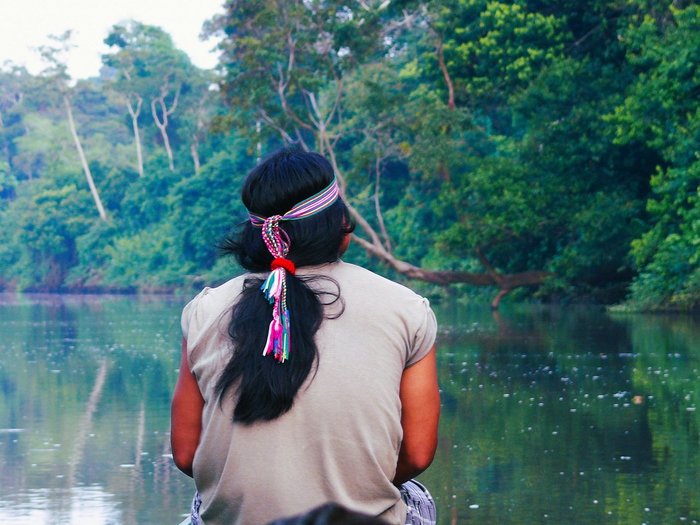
475, 135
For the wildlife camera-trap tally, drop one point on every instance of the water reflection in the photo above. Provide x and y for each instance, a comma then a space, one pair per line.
83, 505
568, 416
86, 384
549, 415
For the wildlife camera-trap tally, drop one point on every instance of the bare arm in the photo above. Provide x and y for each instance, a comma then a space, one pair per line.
420, 413
185, 416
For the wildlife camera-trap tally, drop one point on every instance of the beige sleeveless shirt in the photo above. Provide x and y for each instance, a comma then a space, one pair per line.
340, 441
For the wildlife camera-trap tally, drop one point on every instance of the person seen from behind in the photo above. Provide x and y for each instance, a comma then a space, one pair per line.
306, 380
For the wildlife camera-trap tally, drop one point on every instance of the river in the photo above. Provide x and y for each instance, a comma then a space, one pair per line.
552, 415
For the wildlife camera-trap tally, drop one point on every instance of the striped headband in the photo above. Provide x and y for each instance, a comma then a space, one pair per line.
305, 208
274, 288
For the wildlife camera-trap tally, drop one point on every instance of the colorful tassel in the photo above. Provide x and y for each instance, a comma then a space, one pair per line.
275, 291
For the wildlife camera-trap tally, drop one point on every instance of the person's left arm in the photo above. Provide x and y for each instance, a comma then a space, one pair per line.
420, 415
185, 416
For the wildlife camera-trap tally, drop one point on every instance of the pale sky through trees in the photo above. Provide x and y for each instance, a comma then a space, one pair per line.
26, 24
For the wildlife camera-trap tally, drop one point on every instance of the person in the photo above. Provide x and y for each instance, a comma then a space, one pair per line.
306, 380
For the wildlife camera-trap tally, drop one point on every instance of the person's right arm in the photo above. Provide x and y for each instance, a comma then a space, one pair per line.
420, 413
186, 416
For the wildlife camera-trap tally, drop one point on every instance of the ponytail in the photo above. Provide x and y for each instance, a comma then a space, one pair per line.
266, 387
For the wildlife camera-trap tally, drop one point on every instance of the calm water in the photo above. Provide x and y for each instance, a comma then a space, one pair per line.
561, 416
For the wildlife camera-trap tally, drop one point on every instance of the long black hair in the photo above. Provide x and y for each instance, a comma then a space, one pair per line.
266, 388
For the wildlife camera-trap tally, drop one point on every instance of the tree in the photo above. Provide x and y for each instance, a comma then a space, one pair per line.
506, 144
288, 65
660, 110
57, 75
148, 67
200, 103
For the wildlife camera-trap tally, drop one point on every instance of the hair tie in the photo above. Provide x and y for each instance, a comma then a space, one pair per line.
282, 262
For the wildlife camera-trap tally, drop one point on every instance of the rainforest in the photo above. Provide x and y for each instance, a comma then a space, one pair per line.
535, 150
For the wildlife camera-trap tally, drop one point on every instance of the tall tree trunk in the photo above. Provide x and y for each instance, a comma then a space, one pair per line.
445, 73
83, 160
135, 126
27, 168
258, 146
162, 119
377, 204
194, 150
5, 145
194, 145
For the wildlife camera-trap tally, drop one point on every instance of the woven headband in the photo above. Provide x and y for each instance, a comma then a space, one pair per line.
305, 208
275, 286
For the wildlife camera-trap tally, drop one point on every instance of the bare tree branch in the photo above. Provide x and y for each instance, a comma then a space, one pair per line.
269, 120
300, 139
198, 133
83, 160
445, 72
316, 118
135, 127
336, 103
377, 206
162, 120
283, 82
508, 282
407, 22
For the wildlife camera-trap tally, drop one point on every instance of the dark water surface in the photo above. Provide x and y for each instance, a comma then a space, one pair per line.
550, 415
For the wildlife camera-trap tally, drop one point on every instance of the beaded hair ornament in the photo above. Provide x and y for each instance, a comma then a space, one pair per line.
275, 286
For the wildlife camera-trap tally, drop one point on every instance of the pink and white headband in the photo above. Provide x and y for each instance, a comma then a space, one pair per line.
305, 208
